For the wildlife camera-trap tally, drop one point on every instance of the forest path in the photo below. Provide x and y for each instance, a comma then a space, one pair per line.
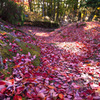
70, 62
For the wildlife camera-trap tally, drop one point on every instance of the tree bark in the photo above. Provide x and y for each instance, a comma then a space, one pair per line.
54, 11
51, 9
91, 16
57, 10
30, 4
43, 9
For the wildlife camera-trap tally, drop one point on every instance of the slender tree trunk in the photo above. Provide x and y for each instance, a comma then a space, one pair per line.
57, 10
43, 9
75, 7
1, 4
54, 11
79, 13
51, 9
47, 8
79, 16
30, 4
91, 16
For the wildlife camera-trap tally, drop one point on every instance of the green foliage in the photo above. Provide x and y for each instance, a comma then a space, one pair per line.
92, 3
13, 13
1, 42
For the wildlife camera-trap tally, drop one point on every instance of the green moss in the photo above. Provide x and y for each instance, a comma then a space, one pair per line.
1, 42
5, 72
4, 22
1, 31
23, 98
5, 52
25, 49
33, 38
10, 38
18, 30
8, 30
34, 51
36, 62
64, 36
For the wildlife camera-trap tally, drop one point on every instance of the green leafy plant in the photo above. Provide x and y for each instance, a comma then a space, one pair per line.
13, 13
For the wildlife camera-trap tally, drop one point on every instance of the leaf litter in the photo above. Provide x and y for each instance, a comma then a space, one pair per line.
69, 70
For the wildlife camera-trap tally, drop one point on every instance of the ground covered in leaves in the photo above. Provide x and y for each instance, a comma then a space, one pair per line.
69, 68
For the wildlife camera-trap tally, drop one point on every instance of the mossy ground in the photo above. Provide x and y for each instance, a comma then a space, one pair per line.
1, 42
34, 51
26, 47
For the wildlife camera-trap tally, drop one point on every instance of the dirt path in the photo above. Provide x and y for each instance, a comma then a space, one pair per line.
69, 69
70, 62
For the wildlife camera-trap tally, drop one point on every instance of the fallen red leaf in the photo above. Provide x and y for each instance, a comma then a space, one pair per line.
17, 97
51, 87
2, 83
61, 96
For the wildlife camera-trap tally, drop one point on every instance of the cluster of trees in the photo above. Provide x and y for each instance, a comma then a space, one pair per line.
57, 9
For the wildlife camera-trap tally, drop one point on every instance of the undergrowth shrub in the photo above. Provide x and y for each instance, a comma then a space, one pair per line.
13, 13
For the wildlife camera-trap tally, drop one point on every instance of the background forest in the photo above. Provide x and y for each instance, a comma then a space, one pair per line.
60, 11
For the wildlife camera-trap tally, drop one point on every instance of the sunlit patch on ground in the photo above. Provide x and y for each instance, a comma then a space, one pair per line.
43, 34
89, 27
91, 73
73, 47
68, 70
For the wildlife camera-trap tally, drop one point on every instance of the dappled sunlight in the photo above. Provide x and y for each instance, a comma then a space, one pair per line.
68, 63
73, 47
49, 51
93, 26
43, 34
89, 27
90, 72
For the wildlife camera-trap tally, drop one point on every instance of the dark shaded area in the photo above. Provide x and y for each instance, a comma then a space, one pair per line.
42, 24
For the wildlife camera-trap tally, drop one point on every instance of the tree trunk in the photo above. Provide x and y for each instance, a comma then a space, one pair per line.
91, 16
47, 8
54, 11
43, 9
79, 16
51, 9
75, 7
57, 10
30, 4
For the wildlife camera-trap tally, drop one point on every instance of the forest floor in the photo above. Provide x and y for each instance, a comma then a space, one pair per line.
69, 68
